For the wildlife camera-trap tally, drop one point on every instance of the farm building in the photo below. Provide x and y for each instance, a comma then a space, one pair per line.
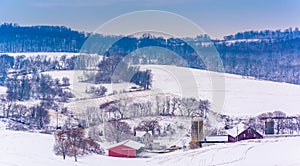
220, 139
238, 133
127, 149
249, 133
233, 136
144, 137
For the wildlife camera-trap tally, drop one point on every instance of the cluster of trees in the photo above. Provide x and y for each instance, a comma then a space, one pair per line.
42, 63
143, 79
22, 65
39, 63
125, 108
40, 87
37, 86
149, 126
283, 124
176, 106
119, 130
25, 117
97, 91
72, 142
6, 63
113, 69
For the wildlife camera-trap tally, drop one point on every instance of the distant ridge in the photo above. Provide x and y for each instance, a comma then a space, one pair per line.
266, 55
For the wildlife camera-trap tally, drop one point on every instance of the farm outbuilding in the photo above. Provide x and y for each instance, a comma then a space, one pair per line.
127, 149
249, 133
220, 139
145, 138
238, 133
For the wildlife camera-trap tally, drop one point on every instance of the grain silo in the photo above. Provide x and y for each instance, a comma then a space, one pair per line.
197, 129
269, 126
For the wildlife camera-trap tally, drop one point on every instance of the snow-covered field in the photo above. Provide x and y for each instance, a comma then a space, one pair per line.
79, 88
34, 149
239, 97
2, 90
243, 96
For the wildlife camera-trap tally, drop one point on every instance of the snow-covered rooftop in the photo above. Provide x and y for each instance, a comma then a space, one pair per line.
129, 143
236, 130
220, 138
141, 133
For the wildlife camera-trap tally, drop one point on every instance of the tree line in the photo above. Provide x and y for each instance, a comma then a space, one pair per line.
123, 109
269, 55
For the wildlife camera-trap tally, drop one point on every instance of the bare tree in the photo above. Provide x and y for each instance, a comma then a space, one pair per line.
204, 107
40, 116
72, 142
122, 106
176, 102
149, 125
280, 120
75, 138
298, 123
190, 106
117, 131
61, 146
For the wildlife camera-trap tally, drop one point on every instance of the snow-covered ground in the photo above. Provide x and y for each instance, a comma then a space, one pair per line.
2, 90
243, 96
34, 149
240, 96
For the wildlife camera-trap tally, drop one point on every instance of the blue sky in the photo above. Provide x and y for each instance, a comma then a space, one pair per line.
216, 17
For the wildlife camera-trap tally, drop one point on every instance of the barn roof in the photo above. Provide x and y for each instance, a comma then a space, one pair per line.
139, 133
236, 130
129, 143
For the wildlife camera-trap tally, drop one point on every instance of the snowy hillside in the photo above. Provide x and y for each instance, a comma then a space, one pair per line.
243, 96
33, 149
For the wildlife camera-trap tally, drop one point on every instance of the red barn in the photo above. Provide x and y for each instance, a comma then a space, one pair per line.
127, 149
236, 134
249, 133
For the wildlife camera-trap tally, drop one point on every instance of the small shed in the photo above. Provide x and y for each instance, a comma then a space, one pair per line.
127, 149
